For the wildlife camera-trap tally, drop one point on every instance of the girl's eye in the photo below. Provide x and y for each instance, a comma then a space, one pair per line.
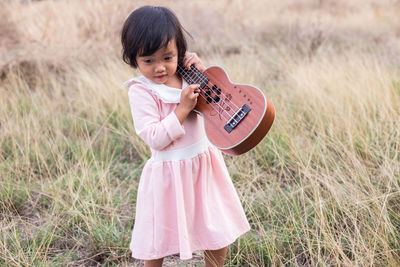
147, 61
168, 58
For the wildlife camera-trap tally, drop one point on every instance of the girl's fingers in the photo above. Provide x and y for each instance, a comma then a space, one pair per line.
185, 60
189, 95
197, 63
188, 63
194, 90
190, 59
194, 87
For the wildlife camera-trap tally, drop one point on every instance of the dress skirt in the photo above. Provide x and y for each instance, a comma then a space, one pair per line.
184, 205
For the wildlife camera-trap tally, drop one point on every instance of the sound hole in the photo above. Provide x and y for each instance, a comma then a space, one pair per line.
216, 89
213, 91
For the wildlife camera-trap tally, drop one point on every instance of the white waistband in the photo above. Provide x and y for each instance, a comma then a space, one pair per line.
182, 153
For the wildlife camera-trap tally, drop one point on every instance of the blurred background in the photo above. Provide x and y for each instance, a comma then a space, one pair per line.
323, 188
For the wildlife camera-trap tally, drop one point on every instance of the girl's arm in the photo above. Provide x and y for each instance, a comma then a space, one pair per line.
157, 133
189, 94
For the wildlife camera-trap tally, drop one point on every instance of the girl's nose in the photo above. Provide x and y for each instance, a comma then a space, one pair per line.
160, 68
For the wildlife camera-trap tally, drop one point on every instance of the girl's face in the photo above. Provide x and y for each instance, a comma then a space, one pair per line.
160, 67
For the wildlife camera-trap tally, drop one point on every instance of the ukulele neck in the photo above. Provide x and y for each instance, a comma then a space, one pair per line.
193, 75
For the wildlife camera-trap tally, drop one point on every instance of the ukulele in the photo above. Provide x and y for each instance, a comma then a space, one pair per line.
236, 116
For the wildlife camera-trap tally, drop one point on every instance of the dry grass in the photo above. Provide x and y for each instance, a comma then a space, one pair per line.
322, 189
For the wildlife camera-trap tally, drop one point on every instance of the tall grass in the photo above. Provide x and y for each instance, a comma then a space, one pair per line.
323, 188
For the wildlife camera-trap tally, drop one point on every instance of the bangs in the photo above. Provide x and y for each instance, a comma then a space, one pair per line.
158, 36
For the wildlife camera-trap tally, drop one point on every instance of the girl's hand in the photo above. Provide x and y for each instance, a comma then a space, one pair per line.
188, 101
192, 58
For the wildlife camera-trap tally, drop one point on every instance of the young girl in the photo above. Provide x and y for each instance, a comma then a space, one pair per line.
186, 200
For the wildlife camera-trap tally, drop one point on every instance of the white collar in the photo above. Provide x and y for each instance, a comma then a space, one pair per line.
165, 93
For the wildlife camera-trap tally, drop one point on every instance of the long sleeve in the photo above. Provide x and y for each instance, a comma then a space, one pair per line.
156, 132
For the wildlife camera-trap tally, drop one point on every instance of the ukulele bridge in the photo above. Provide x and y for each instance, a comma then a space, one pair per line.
236, 118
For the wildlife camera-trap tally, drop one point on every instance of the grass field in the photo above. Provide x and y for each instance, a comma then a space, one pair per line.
322, 189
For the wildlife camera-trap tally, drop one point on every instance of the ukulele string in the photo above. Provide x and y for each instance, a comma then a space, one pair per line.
187, 78
212, 84
202, 79
214, 91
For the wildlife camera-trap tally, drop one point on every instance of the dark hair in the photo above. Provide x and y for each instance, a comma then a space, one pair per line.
149, 28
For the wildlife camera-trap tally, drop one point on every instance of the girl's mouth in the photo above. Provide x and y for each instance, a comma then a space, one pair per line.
160, 76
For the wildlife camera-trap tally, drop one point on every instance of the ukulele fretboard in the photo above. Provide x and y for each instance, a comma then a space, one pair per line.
193, 76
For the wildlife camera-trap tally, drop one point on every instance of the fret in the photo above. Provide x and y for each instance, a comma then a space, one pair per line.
193, 76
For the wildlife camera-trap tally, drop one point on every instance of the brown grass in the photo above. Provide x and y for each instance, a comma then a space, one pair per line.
323, 188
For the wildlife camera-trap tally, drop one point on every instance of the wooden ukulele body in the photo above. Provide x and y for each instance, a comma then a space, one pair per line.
236, 116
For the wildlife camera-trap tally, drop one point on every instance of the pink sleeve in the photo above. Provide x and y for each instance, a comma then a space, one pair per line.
155, 132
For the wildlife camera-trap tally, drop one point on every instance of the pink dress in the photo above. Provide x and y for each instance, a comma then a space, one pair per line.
186, 200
